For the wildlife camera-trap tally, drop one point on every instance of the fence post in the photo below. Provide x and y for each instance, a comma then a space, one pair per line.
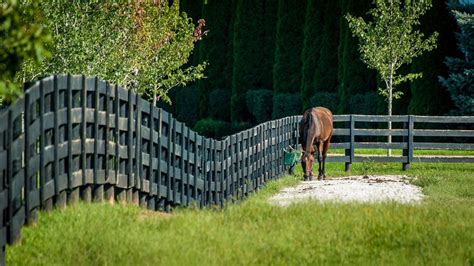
27, 118
408, 152
97, 187
350, 152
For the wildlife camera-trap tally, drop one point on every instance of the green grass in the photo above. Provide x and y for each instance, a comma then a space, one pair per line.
439, 231
398, 152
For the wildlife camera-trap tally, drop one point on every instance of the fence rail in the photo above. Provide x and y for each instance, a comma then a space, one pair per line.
429, 136
76, 137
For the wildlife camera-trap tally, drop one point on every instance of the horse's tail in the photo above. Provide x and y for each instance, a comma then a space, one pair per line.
307, 137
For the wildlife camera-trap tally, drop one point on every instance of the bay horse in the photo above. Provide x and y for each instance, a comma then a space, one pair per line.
315, 129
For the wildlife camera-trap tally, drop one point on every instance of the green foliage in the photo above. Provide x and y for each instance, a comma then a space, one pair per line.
289, 44
270, 19
439, 230
353, 74
260, 103
428, 96
187, 105
211, 128
20, 41
138, 44
219, 104
325, 99
248, 57
313, 29
363, 103
460, 82
286, 104
325, 75
213, 49
391, 40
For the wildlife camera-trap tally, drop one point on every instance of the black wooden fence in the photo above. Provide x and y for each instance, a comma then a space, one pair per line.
409, 134
74, 137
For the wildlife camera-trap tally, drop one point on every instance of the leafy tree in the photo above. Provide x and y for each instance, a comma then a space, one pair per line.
140, 44
391, 41
460, 82
20, 41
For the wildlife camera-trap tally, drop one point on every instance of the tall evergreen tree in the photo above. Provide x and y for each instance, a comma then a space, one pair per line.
213, 49
428, 95
289, 45
460, 82
270, 19
353, 75
248, 57
311, 45
327, 67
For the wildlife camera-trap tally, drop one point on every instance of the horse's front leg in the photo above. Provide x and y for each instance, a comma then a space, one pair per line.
324, 153
319, 162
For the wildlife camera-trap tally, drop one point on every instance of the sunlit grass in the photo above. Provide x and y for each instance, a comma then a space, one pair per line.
399, 152
438, 231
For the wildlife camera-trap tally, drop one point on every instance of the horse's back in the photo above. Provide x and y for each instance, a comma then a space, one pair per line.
324, 115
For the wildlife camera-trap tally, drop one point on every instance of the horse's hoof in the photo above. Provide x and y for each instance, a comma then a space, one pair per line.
320, 177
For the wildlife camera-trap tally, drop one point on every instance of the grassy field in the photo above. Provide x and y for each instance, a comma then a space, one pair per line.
439, 231
399, 152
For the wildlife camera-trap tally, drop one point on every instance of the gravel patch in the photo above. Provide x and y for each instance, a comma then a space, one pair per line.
352, 189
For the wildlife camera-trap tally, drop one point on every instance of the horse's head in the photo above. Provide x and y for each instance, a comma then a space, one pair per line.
307, 160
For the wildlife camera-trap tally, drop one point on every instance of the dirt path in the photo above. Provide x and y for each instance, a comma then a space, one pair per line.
352, 188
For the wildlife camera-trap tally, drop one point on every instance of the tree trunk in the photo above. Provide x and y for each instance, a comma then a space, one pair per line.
390, 100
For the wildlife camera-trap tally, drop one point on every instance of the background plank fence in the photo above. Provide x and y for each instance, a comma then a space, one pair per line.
77, 137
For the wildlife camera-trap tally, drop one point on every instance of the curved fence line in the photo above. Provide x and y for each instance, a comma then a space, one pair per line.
76, 137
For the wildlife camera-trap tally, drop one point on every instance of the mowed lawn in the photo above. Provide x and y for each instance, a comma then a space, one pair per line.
439, 231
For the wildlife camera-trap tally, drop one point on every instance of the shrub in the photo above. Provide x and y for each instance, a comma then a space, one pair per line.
329, 100
286, 104
211, 128
260, 103
363, 103
219, 104
187, 105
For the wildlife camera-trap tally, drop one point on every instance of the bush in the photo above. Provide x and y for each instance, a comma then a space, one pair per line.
187, 105
260, 103
286, 104
363, 103
219, 104
329, 100
211, 128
